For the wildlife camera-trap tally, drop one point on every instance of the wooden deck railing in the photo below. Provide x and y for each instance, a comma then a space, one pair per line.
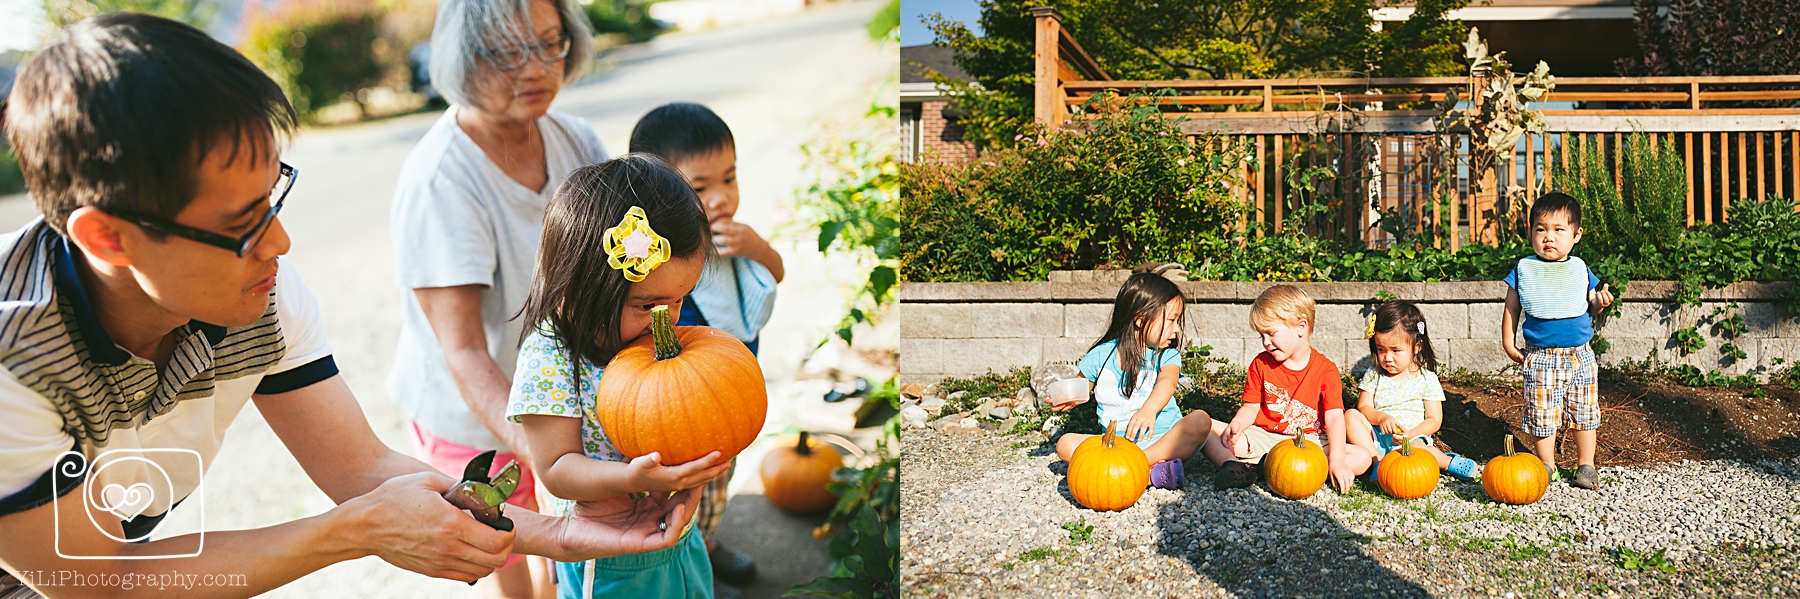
1376, 137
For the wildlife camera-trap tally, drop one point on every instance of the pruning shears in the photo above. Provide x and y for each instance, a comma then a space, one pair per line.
482, 496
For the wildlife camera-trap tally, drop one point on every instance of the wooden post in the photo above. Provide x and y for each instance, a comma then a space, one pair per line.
1760, 174
1049, 93
1706, 172
1688, 147
1694, 95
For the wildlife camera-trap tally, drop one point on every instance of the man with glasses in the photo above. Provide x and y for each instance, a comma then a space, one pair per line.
467, 215
150, 303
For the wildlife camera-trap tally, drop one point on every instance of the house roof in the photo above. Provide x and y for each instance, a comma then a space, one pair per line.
933, 56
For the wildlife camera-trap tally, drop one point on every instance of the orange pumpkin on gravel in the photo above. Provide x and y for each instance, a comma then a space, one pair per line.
682, 392
1295, 470
794, 476
1515, 478
1107, 473
1408, 474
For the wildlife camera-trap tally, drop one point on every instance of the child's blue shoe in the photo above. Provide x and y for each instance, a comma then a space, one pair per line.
1463, 467
1370, 476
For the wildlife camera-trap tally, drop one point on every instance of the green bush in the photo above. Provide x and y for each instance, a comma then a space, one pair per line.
628, 17
1126, 188
1648, 208
321, 52
11, 179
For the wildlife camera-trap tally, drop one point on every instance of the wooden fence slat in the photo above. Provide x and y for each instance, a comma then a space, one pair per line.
1706, 173
1618, 151
1743, 179
1794, 168
1760, 194
1530, 167
1775, 141
1261, 166
1279, 196
1688, 149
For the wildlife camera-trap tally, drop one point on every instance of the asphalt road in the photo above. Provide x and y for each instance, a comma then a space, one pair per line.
778, 83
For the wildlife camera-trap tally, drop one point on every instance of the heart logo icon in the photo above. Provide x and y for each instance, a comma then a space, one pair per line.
126, 502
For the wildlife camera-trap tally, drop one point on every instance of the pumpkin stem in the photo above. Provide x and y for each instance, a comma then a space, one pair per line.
1405, 446
662, 329
1509, 447
1106, 438
1298, 439
803, 448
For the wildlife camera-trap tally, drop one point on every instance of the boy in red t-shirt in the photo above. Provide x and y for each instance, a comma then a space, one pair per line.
1290, 388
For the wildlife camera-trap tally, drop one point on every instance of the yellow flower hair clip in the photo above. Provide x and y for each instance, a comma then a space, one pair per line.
1369, 333
634, 247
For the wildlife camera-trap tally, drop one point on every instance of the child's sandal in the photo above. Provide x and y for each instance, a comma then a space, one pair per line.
1463, 467
1234, 475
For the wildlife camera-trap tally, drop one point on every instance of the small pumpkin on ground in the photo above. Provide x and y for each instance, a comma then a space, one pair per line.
1406, 474
1295, 470
1107, 473
682, 392
1515, 478
794, 476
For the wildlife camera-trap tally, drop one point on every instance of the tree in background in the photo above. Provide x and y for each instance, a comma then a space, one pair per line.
1199, 39
1715, 37
63, 13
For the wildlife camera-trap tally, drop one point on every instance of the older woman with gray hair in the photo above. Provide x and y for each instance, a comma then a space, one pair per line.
468, 212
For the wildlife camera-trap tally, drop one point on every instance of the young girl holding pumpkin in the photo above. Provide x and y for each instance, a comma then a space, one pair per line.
596, 290
1134, 368
1401, 397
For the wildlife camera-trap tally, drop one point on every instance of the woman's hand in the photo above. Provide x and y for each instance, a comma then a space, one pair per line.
1141, 426
621, 525
652, 476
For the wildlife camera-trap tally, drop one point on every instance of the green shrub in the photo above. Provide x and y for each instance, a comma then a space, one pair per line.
11, 179
1649, 206
630, 18
1126, 188
321, 52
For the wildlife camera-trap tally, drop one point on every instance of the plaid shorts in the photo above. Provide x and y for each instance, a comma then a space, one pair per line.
713, 498
1561, 385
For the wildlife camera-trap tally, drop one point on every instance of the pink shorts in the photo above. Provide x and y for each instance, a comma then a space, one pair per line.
451, 458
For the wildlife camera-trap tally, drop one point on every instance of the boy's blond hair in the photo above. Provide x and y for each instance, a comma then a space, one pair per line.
1284, 304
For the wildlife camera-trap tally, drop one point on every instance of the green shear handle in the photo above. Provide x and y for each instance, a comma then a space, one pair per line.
484, 497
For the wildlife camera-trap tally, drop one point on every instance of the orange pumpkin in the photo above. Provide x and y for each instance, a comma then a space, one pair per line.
1406, 474
1107, 473
794, 477
1515, 478
682, 392
1295, 470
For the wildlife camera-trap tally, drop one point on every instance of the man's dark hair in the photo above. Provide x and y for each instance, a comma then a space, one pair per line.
680, 131
1554, 202
118, 112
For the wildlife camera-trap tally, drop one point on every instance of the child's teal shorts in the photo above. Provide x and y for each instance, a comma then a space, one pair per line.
1389, 443
1165, 420
681, 571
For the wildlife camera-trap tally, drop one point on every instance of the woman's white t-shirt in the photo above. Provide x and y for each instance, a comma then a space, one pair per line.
459, 220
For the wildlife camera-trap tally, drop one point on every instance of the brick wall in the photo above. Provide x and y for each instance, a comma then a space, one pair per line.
942, 139
962, 329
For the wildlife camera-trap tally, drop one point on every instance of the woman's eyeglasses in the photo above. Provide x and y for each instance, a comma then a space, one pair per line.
240, 245
549, 51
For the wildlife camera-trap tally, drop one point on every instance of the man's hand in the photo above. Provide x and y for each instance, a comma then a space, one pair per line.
652, 476
621, 525
407, 523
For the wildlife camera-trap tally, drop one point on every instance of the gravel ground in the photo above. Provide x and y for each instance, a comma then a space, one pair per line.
984, 515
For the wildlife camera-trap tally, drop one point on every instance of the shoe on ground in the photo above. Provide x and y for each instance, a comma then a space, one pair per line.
731, 565
1234, 475
1167, 474
1463, 467
1371, 476
1586, 477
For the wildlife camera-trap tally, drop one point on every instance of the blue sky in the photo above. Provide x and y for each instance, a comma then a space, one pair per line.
912, 23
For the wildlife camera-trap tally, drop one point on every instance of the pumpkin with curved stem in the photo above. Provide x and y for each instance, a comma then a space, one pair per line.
1515, 478
682, 392
1295, 470
795, 476
1408, 474
1107, 473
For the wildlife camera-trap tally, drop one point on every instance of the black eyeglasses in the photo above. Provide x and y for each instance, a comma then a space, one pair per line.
239, 245
551, 52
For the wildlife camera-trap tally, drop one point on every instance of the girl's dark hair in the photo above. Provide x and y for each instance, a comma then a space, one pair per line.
1405, 316
574, 290
1142, 296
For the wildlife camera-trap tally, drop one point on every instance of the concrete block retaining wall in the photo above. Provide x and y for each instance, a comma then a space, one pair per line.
963, 329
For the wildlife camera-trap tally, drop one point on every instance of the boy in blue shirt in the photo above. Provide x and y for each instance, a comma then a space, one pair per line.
1558, 297
736, 293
